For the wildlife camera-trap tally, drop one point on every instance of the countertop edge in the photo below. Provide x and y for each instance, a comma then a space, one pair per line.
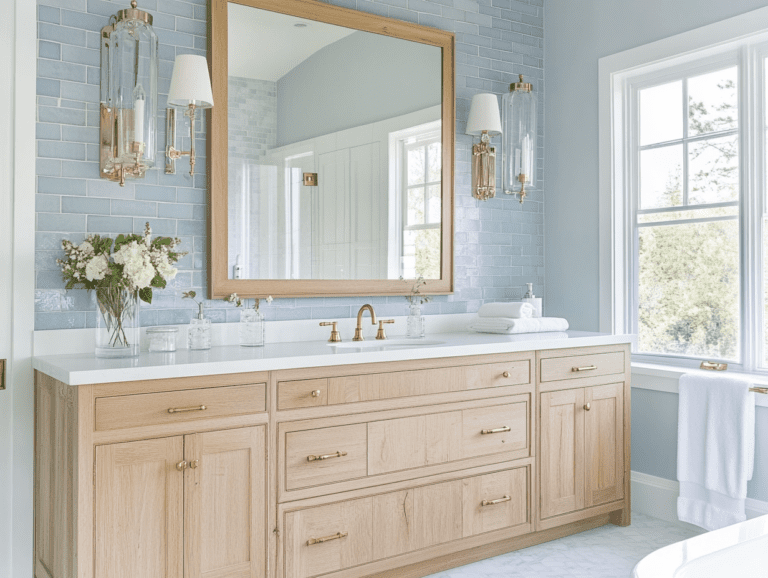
48, 365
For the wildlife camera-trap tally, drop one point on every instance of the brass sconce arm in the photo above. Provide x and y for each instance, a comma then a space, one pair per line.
171, 152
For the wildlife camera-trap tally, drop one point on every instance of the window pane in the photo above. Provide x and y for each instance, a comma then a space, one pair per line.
689, 290
661, 177
661, 113
713, 170
434, 203
435, 162
421, 254
416, 206
416, 166
713, 102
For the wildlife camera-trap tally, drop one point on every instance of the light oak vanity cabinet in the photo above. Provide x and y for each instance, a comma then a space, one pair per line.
380, 469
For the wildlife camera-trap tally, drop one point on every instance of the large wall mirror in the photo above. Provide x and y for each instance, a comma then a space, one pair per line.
331, 152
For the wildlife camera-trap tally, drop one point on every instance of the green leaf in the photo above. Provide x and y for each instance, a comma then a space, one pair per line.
158, 282
163, 241
146, 294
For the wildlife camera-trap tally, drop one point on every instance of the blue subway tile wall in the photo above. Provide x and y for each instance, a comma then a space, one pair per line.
499, 244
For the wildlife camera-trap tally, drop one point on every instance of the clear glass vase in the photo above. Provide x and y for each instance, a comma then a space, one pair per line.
416, 326
118, 329
251, 328
199, 336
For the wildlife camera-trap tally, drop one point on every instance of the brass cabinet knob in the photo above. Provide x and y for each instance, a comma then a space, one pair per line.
588, 406
335, 335
194, 463
316, 393
182, 465
505, 374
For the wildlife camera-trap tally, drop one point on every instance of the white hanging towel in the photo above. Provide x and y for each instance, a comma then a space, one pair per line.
715, 449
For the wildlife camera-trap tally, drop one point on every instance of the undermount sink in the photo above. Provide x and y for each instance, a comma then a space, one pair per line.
386, 344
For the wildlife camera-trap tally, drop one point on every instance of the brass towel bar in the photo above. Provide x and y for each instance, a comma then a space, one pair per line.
714, 366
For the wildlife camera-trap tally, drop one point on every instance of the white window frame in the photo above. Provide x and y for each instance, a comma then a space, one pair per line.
743, 40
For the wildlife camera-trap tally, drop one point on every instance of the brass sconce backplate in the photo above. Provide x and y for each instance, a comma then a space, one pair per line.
2, 373
310, 179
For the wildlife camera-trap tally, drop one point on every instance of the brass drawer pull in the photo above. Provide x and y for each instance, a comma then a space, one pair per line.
183, 409
316, 393
585, 368
326, 457
494, 502
506, 428
336, 536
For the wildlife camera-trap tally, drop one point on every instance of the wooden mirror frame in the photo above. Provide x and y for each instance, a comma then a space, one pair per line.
219, 284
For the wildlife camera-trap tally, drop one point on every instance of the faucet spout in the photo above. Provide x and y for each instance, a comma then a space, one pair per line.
359, 329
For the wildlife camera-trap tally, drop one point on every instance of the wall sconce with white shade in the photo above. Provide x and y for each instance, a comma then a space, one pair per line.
190, 89
484, 120
519, 140
128, 95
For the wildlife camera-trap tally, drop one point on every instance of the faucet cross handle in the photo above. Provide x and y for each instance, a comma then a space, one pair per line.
380, 334
335, 335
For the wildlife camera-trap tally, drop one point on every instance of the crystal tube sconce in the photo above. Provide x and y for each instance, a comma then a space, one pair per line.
484, 120
128, 95
190, 89
519, 141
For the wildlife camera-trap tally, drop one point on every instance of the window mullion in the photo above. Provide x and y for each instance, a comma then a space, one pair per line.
685, 142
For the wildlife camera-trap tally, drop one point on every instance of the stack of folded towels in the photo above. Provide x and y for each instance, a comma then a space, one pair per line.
514, 317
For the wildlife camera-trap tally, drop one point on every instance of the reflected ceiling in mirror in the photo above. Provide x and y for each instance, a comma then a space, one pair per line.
336, 158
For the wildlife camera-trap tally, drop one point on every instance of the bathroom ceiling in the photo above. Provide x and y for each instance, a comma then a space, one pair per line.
266, 45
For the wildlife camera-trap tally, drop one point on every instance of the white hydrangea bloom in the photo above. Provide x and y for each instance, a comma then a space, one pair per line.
137, 265
97, 268
165, 269
85, 248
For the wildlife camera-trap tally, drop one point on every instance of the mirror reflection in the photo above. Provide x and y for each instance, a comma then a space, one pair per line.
335, 151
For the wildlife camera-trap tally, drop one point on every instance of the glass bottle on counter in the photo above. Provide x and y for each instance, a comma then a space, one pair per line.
199, 337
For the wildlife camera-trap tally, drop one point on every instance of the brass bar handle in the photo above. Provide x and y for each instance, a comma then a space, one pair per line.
585, 368
763, 390
494, 502
182, 465
713, 366
183, 409
506, 428
336, 536
338, 454
588, 406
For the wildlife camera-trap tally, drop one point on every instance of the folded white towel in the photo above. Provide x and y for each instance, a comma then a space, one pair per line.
512, 310
511, 326
715, 449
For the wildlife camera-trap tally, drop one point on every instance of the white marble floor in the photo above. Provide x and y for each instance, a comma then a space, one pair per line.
605, 552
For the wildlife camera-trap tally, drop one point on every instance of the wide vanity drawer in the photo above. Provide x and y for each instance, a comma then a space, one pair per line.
126, 411
333, 537
587, 365
379, 386
316, 456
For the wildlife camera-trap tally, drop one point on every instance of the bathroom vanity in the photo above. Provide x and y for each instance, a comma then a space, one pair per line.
302, 459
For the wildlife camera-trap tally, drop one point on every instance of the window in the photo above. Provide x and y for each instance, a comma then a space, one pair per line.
422, 207
684, 233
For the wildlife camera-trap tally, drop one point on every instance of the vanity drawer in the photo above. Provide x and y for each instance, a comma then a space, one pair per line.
576, 366
405, 446
323, 456
302, 393
127, 411
336, 390
329, 538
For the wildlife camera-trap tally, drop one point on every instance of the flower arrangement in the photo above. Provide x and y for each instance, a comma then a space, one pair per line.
416, 297
119, 271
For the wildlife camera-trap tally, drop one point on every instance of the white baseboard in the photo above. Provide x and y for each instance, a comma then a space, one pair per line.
657, 497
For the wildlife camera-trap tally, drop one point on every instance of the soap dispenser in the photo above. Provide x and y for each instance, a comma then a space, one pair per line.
199, 336
534, 301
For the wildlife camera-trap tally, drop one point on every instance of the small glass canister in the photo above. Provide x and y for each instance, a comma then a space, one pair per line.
162, 339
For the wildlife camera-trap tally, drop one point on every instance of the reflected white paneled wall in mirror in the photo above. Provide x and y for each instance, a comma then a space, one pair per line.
362, 111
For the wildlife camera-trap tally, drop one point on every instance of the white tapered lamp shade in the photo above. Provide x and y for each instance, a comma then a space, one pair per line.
190, 83
484, 115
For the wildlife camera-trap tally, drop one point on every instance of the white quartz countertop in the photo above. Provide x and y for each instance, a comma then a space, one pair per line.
86, 369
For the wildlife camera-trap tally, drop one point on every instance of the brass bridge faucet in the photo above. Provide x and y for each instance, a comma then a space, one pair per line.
359, 329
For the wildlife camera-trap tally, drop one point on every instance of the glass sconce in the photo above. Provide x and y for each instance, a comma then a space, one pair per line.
190, 89
128, 96
519, 141
484, 120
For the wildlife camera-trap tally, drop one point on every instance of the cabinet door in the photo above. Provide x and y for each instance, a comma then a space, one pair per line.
562, 452
224, 499
138, 502
604, 432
